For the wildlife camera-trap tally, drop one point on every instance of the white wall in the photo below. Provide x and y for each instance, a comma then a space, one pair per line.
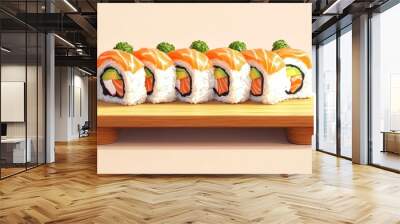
33, 127
16, 72
71, 94
62, 82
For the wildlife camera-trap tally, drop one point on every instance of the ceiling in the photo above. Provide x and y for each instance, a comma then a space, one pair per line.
75, 21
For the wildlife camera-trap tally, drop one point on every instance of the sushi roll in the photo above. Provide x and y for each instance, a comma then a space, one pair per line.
231, 73
160, 75
120, 78
268, 76
194, 81
298, 71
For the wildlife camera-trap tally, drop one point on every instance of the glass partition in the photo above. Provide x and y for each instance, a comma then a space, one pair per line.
385, 89
346, 93
327, 95
13, 94
22, 76
31, 98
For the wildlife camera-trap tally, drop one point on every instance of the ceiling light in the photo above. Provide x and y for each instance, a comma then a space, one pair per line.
337, 7
65, 41
84, 71
70, 5
5, 50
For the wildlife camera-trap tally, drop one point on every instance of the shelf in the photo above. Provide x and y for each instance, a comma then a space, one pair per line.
295, 115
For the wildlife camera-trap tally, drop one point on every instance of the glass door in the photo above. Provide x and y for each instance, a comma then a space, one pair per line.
22, 77
385, 89
346, 92
14, 155
326, 91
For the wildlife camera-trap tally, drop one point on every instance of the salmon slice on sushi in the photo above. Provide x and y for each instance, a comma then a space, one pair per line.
298, 70
160, 75
231, 74
268, 76
194, 81
120, 78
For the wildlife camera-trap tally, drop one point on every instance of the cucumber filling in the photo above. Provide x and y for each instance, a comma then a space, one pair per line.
222, 81
112, 83
183, 80
296, 77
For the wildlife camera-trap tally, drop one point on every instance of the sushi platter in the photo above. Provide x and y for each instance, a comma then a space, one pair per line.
201, 87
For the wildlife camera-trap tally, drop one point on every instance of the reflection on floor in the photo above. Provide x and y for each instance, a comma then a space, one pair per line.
387, 159
70, 191
10, 171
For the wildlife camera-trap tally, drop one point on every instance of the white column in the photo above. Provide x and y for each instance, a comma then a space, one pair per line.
360, 90
50, 92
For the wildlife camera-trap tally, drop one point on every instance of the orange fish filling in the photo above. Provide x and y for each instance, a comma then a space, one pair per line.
256, 87
296, 77
119, 87
222, 81
111, 74
257, 82
222, 86
184, 80
149, 82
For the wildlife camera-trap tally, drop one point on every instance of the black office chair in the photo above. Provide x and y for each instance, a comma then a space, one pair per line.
84, 130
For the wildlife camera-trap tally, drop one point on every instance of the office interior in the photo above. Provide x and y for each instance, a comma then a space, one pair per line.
48, 88
45, 98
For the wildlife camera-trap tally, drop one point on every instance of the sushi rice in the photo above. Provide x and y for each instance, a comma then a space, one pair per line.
306, 90
164, 84
298, 70
274, 86
268, 74
202, 85
239, 83
134, 89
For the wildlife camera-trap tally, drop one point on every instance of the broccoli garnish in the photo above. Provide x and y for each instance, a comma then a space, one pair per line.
199, 45
279, 44
238, 45
124, 46
165, 47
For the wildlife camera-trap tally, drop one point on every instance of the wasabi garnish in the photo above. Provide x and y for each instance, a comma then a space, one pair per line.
199, 45
165, 47
124, 46
238, 45
279, 44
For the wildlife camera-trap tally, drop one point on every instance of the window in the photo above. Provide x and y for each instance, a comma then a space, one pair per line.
346, 92
327, 95
22, 77
385, 89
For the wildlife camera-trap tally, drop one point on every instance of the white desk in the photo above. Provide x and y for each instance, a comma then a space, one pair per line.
19, 155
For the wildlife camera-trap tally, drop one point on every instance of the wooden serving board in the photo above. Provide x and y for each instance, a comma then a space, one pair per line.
294, 115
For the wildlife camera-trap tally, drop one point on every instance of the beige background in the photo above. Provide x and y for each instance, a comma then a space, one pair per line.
203, 151
258, 24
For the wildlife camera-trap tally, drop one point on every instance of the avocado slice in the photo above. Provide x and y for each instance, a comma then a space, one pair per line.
292, 71
219, 73
148, 72
181, 73
255, 73
111, 74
